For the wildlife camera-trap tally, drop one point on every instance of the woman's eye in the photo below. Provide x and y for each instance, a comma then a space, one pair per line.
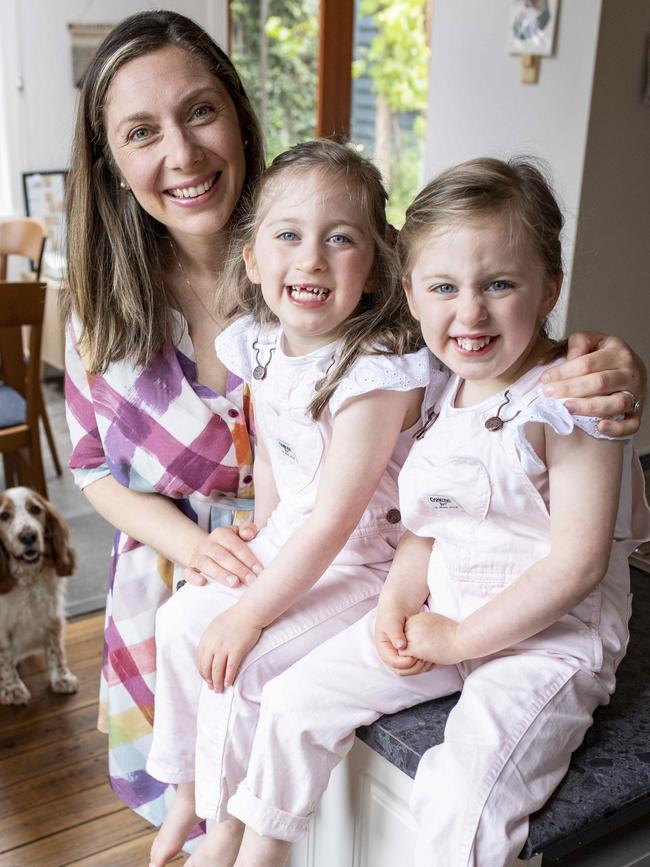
201, 112
499, 286
139, 134
443, 289
287, 236
338, 238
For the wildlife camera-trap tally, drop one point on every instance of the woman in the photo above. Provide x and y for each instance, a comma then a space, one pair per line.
166, 148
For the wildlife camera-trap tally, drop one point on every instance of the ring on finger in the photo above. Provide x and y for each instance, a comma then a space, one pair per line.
636, 403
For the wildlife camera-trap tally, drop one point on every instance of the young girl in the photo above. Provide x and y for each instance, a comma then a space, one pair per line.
328, 348
511, 582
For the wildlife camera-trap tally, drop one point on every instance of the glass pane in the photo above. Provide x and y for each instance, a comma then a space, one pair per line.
389, 92
274, 45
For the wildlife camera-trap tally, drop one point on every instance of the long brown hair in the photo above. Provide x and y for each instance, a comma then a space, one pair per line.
382, 322
115, 275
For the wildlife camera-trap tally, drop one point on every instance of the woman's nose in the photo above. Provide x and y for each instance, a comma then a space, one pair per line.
183, 152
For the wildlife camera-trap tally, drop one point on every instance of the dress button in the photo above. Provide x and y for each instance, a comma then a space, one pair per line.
393, 516
233, 413
247, 480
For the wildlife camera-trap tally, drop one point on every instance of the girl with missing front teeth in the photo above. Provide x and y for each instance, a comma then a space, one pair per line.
511, 582
337, 375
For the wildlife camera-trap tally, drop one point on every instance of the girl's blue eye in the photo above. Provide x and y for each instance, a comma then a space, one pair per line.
287, 236
444, 289
499, 285
340, 239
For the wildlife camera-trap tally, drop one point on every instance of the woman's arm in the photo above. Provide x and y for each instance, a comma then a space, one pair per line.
584, 480
363, 440
155, 521
602, 377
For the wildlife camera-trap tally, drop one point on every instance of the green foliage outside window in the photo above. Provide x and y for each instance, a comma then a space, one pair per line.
275, 49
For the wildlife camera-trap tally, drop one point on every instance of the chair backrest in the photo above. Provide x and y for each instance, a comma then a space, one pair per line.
22, 304
23, 236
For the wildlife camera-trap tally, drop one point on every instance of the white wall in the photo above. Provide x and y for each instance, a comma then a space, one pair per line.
585, 118
39, 94
611, 270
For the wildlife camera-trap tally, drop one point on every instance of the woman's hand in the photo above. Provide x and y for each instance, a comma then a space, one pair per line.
224, 556
602, 376
223, 646
390, 639
432, 637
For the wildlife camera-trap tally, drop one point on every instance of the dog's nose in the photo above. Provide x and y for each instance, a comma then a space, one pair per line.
27, 538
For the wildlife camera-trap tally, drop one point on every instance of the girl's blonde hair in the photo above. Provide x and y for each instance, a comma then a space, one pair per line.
116, 281
381, 323
516, 188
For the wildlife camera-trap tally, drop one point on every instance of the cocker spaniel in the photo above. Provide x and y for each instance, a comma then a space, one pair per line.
35, 554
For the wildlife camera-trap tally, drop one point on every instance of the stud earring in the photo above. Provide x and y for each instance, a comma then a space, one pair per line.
124, 185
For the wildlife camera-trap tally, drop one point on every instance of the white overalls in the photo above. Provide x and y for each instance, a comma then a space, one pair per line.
206, 736
483, 496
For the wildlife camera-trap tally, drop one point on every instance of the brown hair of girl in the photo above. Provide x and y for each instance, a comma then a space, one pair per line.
516, 188
382, 323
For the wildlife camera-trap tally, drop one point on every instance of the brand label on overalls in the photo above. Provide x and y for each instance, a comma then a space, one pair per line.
440, 501
287, 451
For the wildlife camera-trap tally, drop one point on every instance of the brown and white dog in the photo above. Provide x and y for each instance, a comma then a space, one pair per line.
35, 554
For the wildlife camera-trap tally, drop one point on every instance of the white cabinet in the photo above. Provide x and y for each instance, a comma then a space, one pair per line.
364, 819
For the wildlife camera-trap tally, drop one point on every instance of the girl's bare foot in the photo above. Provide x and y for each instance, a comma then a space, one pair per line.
220, 845
173, 832
259, 851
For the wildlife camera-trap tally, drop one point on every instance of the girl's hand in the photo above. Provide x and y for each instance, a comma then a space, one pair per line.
432, 637
223, 646
224, 556
390, 640
602, 376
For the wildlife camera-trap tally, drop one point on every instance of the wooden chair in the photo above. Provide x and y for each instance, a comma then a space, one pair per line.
21, 304
26, 236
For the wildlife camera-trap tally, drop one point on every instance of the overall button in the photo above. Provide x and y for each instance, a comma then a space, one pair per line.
393, 516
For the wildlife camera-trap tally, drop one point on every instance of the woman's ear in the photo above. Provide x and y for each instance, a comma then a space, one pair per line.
251, 265
408, 291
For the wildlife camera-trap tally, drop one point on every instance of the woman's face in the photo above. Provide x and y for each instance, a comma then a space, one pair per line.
174, 135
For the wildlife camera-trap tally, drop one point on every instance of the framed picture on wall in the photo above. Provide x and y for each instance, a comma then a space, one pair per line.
532, 26
45, 200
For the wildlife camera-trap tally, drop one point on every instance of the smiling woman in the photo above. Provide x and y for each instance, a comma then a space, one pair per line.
172, 130
166, 149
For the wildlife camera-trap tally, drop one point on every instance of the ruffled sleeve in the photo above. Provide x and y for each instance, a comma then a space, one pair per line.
390, 372
551, 411
234, 346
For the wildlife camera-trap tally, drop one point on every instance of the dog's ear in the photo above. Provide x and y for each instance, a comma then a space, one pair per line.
58, 537
7, 581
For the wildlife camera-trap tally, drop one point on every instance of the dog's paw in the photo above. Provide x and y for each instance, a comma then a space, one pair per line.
65, 682
14, 693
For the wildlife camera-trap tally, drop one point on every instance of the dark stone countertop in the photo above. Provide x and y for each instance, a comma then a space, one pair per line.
608, 783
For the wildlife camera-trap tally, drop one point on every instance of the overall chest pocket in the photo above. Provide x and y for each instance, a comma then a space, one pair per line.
296, 447
448, 501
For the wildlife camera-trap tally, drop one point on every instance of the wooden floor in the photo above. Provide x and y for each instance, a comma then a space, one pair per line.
56, 807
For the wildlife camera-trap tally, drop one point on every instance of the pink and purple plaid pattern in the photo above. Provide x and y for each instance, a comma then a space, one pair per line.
154, 430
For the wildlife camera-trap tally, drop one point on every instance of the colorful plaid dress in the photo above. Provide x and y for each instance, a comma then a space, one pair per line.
154, 430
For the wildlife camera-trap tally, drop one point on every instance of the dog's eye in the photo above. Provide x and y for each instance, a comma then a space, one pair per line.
34, 509
4, 516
